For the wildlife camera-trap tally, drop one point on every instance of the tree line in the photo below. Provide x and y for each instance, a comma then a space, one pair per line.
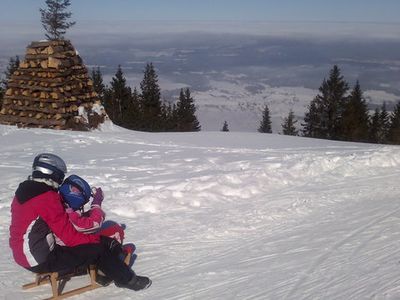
338, 113
143, 110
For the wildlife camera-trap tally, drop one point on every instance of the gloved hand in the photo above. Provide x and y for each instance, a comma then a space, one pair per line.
98, 197
112, 245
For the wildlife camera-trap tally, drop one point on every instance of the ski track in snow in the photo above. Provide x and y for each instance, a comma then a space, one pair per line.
229, 216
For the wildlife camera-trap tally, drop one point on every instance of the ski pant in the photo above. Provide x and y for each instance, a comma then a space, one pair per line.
67, 259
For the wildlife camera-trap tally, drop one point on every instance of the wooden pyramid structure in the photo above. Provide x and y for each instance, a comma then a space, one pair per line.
51, 89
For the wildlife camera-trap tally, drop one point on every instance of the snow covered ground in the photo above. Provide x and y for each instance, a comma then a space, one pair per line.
229, 215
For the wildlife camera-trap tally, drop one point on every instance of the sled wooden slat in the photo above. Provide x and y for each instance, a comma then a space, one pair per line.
58, 283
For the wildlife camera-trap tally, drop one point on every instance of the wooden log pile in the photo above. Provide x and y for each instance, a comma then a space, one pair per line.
48, 88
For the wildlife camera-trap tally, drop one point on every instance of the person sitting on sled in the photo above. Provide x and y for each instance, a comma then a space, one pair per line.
76, 193
38, 218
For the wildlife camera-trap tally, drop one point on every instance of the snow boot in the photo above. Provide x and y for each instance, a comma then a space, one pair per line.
137, 283
103, 280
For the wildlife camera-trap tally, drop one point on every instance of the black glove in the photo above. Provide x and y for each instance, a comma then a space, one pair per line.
112, 245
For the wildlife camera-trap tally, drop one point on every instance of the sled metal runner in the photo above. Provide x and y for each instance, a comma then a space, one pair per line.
58, 283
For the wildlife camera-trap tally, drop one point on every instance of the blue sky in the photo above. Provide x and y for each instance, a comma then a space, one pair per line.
215, 10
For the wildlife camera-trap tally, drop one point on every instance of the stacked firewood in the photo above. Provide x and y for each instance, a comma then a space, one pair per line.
48, 88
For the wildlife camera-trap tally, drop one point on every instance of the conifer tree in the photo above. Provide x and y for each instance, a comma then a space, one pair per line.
1, 96
225, 127
333, 101
265, 125
394, 129
312, 120
98, 84
380, 125
289, 124
355, 125
55, 18
384, 120
169, 117
13, 65
131, 115
185, 112
118, 98
151, 100
375, 128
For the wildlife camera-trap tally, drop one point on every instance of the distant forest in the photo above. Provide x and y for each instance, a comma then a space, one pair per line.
337, 112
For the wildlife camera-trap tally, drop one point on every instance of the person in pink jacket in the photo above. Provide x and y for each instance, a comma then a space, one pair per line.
76, 193
43, 239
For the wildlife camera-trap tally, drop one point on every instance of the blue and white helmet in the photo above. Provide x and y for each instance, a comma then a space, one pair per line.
49, 166
75, 192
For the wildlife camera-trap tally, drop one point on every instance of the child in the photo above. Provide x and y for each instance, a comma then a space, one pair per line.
76, 192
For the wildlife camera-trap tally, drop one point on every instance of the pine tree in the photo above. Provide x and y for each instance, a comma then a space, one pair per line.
98, 84
355, 125
384, 120
185, 112
169, 117
332, 103
312, 120
394, 129
1, 96
380, 125
118, 98
55, 18
265, 125
136, 106
375, 128
131, 115
13, 65
289, 124
225, 127
151, 100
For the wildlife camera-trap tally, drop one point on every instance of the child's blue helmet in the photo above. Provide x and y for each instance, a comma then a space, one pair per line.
75, 192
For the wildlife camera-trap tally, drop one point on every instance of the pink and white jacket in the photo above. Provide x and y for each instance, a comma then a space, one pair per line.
87, 222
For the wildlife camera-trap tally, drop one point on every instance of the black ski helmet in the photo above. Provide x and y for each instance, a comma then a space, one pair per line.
49, 166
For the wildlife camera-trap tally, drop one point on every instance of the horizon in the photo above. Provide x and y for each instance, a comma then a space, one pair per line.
361, 19
32, 30
210, 10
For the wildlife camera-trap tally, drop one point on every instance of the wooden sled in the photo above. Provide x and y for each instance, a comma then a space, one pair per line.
58, 283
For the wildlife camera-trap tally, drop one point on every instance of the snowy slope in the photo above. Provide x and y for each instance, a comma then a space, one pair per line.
229, 215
